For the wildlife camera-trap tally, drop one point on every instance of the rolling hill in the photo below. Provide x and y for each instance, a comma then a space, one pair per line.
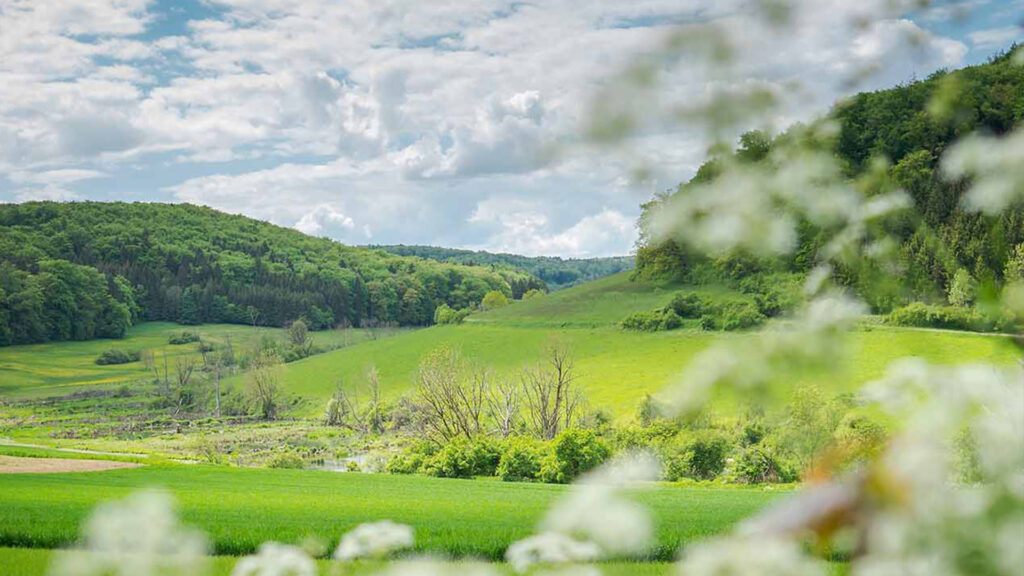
84, 270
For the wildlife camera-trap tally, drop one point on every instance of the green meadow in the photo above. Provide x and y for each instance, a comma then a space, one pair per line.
239, 508
616, 367
60, 368
35, 562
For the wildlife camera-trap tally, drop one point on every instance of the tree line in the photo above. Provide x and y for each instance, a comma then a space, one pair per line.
555, 272
82, 270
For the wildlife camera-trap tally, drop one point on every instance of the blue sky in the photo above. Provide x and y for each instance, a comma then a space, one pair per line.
449, 123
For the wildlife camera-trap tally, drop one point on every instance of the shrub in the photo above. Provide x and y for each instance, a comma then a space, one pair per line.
443, 314
670, 320
412, 460
532, 293
738, 315
117, 356
644, 321
760, 464
653, 321
463, 458
926, 315
494, 299
701, 458
521, 459
285, 460
574, 452
688, 305
860, 436
183, 338
708, 322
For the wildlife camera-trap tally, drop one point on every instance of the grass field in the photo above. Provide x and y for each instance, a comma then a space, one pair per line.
616, 367
35, 562
240, 508
66, 367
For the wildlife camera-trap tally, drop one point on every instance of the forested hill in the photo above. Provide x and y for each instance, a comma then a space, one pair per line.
910, 127
556, 272
90, 269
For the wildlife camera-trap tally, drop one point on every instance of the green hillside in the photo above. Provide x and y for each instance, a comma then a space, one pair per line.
59, 368
901, 133
84, 270
617, 367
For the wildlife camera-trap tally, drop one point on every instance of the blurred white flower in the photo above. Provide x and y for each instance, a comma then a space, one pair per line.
137, 536
813, 337
275, 559
374, 540
996, 167
550, 548
753, 557
596, 511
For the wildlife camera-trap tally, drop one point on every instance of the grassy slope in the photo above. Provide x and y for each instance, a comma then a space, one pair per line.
239, 508
63, 367
617, 367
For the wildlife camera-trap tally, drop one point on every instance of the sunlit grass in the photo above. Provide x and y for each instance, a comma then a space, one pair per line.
240, 508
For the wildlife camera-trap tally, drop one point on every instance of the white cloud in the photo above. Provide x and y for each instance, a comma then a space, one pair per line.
50, 192
996, 37
444, 122
313, 222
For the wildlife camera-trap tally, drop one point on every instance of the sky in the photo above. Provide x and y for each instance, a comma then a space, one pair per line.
452, 122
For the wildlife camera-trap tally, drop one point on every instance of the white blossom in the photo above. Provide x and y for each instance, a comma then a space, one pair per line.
996, 167
738, 556
374, 540
137, 536
274, 559
550, 548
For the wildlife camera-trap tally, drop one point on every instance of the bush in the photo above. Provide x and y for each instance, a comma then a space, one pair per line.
929, 316
412, 460
443, 314
463, 458
183, 338
702, 458
644, 321
653, 321
532, 293
520, 460
285, 460
860, 436
688, 305
760, 464
670, 320
494, 299
739, 315
575, 452
117, 356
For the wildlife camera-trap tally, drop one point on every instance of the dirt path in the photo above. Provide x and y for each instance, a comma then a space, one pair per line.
18, 465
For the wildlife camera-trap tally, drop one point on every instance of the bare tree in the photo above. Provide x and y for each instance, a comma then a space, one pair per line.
345, 407
183, 368
375, 418
552, 400
453, 394
503, 400
265, 383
